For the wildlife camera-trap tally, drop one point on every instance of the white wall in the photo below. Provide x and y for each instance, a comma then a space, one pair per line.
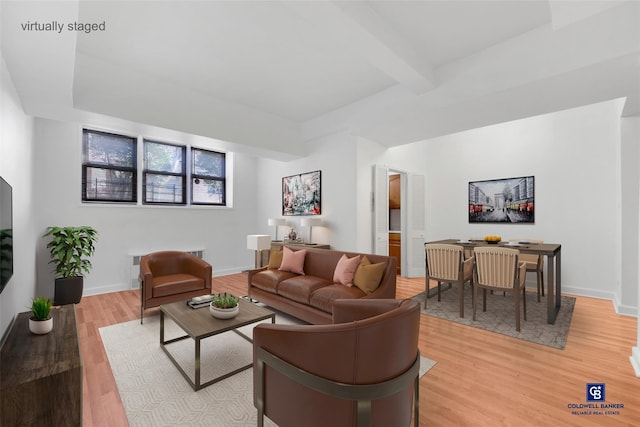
575, 158
16, 167
126, 229
630, 138
335, 157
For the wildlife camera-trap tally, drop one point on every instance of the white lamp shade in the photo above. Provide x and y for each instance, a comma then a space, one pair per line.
258, 242
310, 222
276, 221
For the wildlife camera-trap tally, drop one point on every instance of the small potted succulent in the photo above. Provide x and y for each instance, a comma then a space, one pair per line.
41, 321
224, 306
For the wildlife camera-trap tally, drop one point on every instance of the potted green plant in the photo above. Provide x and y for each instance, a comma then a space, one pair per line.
70, 249
224, 306
41, 321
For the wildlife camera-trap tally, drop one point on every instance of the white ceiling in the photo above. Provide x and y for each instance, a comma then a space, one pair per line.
272, 75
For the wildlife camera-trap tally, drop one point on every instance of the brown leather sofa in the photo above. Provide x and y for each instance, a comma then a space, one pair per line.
310, 297
304, 375
169, 276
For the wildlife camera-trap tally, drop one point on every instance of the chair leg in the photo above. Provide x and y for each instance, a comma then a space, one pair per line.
461, 298
524, 302
438, 290
475, 300
516, 300
541, 282
484, 299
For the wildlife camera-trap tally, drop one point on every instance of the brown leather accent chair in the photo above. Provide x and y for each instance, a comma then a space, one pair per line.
363, 370
169, 276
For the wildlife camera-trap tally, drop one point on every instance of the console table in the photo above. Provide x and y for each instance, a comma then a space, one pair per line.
41, 375
276, 245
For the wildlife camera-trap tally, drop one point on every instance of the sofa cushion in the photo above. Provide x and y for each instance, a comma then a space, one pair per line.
268, 280
345, 269
275, 260
293, 261
300, 288
323, 298
176, 284
368, 275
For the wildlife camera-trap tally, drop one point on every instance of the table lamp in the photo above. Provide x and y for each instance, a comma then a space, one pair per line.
310, 222
277, 222
258, 243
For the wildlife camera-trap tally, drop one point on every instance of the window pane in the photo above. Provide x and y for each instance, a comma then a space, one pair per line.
107, 149
207, 191
108, 184
163, 189
208, 163
164, 157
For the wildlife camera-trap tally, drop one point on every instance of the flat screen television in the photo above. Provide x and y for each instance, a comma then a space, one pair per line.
6, 233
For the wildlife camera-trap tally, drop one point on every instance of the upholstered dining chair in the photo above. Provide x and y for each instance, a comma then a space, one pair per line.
535, 263
362, 370
499, 269
446, 263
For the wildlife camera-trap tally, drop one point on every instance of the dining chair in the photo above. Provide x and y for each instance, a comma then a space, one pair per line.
499, 269
535, 263
446, 264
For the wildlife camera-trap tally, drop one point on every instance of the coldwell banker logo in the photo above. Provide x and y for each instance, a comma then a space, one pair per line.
595, 392
596, 398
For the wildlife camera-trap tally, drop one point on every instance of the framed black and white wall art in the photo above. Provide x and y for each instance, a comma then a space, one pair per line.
507, 200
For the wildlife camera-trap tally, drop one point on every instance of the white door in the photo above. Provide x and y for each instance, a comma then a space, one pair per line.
380, 210
413, 233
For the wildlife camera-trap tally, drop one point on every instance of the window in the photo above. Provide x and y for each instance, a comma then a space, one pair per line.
170, 174
165, 176
109, 171
208, 184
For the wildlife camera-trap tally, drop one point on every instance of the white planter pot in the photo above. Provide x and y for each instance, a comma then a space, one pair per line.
41, 327
224, 313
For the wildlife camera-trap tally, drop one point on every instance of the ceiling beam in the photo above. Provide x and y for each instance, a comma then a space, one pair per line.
358, 28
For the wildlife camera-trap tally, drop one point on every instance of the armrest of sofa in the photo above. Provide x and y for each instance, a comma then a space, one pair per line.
255, 271
349, 310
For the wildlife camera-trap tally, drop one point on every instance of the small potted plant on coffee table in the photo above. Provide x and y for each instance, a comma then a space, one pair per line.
224, 306
40, 321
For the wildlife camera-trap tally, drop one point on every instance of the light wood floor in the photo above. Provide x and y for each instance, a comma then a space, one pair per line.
481, 378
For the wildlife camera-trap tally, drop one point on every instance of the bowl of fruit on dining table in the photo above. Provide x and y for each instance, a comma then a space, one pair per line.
493, 239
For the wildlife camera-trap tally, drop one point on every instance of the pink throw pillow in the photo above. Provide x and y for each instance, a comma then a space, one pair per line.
293, 261
345, 270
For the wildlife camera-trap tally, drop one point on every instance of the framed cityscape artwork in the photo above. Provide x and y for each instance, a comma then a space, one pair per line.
509, 200
301, 194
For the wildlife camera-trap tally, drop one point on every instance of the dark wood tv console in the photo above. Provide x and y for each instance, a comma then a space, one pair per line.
41, 375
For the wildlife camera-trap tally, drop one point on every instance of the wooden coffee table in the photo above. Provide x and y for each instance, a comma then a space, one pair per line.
199, 324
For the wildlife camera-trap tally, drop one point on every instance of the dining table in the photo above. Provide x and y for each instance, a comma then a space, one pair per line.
552, 253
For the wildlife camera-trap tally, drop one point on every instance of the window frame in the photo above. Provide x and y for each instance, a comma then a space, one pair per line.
146, 171
86, 164
222, 179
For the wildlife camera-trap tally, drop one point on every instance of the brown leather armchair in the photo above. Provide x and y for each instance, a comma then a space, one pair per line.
360, 371
170, 276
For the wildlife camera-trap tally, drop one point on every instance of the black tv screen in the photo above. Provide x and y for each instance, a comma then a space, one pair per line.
6, 233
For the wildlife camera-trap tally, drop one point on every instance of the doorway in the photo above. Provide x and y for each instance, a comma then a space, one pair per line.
409, 218
395, 217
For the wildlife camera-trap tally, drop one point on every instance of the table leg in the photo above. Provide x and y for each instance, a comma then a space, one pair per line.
161, 327
558, 280
553, 288
197, 363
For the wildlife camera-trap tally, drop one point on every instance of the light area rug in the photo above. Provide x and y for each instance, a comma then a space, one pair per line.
154, 393
500, 315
